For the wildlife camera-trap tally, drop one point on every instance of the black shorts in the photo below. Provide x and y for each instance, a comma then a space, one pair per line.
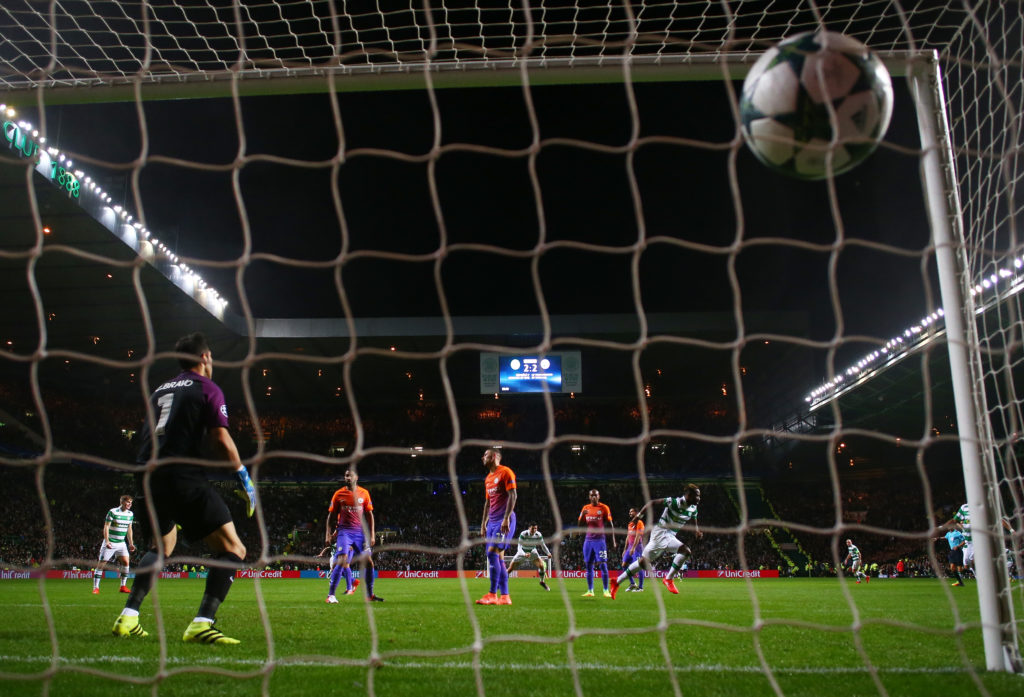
186, 500
956, 557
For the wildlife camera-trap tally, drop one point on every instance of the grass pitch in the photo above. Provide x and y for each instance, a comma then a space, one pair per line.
717, 637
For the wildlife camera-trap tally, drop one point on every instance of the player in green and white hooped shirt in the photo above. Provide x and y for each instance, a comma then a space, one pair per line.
963, 517
678, 511
854, 560
117, 527
531, 545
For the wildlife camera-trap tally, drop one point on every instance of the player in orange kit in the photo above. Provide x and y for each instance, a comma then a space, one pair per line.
595, 550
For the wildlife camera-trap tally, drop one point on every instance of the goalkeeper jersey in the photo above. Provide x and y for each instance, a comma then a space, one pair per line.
120, 521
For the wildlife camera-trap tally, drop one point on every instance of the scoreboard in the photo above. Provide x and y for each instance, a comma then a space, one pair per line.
514, 373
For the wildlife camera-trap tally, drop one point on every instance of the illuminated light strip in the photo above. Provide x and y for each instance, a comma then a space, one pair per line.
28, 141
912, 338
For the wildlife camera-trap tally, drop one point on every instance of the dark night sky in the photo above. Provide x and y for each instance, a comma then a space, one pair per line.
488, 198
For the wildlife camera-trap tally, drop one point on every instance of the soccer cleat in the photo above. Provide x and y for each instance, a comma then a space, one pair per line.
504, 600
957, 584
608, 594
544, 586
489, 599
331, 600
376, 599
123, 589
867, 579
588, 594
615, 589
95, 591
350, 591
355, 584
671, 585
126, 626
858, 581
204, 633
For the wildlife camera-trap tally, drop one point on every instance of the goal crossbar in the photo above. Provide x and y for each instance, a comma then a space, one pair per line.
406, 76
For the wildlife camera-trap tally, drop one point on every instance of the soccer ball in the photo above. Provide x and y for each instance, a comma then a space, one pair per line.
784, 108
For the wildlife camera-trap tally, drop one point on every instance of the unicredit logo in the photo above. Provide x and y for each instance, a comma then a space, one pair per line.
253, 573
418, 574
739, 574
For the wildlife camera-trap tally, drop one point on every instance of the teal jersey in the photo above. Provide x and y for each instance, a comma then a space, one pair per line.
677, 513
120, 522
955, 538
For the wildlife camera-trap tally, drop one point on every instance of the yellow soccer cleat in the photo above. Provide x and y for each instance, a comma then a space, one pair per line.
588, 594
126, 626
204, 633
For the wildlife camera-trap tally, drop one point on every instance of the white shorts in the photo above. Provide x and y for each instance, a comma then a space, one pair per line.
662, 540
968, 553
116, 549
533, 556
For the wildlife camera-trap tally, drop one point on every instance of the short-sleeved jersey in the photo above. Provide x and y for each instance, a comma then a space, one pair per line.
186, 409
120, 521
497, 484
528, 543
854, 553
595, 516
963, 516
955, 538
677, 513
635, 535
349, 506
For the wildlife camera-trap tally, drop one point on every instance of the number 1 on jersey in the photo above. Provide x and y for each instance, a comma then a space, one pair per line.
165, 412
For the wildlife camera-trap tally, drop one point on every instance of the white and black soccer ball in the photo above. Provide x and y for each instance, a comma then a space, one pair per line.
784, 109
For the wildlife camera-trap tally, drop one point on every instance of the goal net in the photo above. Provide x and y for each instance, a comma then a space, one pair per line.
385, 216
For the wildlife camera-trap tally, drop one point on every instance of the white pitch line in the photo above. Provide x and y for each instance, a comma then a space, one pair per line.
467, 665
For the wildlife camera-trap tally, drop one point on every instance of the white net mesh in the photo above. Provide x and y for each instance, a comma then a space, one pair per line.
95, 44
351, 257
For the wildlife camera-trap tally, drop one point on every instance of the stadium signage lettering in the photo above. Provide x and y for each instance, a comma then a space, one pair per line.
419, 574
257, 573
728, 573
18, 140
6, 573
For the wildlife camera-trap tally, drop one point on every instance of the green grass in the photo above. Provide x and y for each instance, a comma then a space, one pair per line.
909, 637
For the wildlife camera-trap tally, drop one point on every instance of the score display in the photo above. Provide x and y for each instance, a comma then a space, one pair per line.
556, 372
530, 373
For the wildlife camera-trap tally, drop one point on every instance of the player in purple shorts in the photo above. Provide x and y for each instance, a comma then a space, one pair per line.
595, 551
498, 524
633, 548
351, 509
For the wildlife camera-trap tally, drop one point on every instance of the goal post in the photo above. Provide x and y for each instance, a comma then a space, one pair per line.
976, 442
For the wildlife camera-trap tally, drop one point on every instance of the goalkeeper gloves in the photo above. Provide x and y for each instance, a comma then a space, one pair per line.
247, 490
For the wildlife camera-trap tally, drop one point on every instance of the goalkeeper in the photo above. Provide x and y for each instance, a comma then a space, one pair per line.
530, 540
187, 413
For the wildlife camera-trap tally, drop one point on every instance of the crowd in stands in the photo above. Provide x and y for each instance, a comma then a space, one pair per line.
420, 526
54, 513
